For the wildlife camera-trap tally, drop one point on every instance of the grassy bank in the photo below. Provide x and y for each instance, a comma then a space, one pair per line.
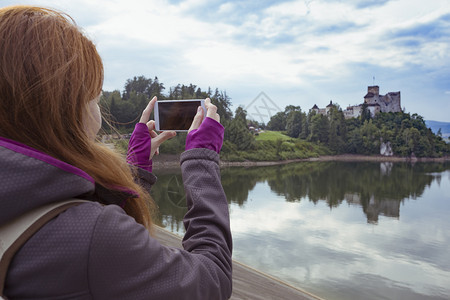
268, 146
273, 146
272, 136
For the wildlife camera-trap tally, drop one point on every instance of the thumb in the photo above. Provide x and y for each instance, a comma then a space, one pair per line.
197, 119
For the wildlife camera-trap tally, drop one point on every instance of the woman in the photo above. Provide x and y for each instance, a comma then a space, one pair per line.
50, 80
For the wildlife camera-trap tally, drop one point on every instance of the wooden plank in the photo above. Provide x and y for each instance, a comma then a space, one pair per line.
248, 283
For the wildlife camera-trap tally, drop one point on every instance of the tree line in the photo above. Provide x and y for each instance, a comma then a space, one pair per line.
122, 110
406, 133
312, 134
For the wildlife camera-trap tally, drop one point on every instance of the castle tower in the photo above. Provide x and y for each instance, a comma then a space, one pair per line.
375, 90
329, 106
373, 95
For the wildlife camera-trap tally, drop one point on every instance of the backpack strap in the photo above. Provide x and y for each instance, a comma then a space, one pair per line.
16, 232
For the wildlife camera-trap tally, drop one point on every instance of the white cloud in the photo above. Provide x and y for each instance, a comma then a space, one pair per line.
226, 8
319, 50
288, 9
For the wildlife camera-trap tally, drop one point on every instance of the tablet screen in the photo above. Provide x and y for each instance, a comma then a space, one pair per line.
177, 115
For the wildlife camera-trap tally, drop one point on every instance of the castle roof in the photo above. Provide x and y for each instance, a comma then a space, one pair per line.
331, 104
369, 95
315, 107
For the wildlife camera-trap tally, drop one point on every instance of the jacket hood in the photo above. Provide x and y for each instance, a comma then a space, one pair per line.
30, 178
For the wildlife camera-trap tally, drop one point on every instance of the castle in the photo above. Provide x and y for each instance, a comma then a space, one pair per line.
375, 103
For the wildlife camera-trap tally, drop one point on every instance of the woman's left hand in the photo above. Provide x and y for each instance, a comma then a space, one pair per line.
206, 132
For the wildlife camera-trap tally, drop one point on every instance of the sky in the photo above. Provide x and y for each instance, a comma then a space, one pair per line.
268, 54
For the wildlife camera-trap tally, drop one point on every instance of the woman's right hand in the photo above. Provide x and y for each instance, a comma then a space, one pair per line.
206, 132
144, 142
156, 139
211, 112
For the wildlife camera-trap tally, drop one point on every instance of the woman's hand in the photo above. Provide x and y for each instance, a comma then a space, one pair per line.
206, 133
211, 112
144, 142
157, 139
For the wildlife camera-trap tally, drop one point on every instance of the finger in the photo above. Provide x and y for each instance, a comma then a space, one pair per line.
153, 134
162, 137
211, 110
147, 111
151, 128
151, 125
197, 119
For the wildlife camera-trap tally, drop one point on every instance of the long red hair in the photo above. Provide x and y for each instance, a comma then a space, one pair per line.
49, 72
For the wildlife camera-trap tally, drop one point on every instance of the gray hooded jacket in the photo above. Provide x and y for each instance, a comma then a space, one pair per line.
94, 251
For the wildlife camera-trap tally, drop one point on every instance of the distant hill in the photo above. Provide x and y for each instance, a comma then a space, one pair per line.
435, 125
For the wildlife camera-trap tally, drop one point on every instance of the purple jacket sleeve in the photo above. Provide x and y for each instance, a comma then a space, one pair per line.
209, 136
139, 147
126, 263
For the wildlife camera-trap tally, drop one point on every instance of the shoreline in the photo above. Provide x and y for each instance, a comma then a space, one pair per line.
168, 161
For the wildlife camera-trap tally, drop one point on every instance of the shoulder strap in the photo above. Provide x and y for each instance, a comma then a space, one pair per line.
16, 232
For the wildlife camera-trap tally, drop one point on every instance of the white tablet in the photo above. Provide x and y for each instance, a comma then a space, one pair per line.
176, 115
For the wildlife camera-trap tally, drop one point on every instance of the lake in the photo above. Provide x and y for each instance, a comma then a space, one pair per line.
340, 230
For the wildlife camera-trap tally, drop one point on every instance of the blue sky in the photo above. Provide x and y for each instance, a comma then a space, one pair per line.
297, 52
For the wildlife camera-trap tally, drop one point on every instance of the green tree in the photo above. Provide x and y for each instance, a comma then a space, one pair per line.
320, 128
175, 92
305, 127
338, 130
294, 123
223, 103
237, 132
155, 89
139, 85
365, 113
354, 141
370, 138
120, 113
277, 122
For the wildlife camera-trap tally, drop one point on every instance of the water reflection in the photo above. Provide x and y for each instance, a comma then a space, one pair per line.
378, 188
340, 230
